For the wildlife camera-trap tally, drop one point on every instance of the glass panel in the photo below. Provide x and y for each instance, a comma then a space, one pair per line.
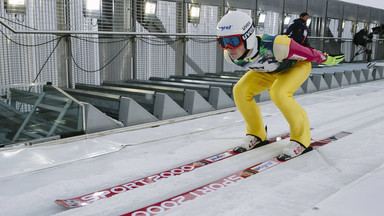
270, 25
332, 28
374, 42
347, 29
346, 48
29, 113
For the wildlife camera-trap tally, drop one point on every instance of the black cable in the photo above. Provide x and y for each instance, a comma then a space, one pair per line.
17, 23
93, 71
35, 45
158, 42
28, 45
100, 42
41, 69
202, 40
20, 44
18, 19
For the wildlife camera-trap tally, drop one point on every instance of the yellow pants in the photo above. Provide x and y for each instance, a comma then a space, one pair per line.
281, 87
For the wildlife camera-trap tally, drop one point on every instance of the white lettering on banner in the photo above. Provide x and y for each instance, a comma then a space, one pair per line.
235, 178
138, 183
177, 171
218, 157
179, 199
141, 181
118, 190
205, 190
95, 196
172, 204
163, 206
216, 186
194, 194
187, 167
155, 210
166, 174
141, 213
227, 182
130, 186
168, 204
264, 166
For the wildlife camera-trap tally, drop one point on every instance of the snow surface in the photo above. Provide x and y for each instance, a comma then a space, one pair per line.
370, 185
32, 178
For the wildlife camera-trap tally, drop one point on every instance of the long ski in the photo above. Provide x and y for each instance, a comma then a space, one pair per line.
180, 199
109, 192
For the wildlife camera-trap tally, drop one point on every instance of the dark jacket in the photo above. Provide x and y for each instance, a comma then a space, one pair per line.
298, 31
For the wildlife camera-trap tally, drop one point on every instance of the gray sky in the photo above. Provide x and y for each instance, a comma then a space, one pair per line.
369, 3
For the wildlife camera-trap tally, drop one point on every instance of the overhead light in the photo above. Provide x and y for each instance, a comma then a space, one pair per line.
194, 14
92, 8
16, 2
287, 20
15, 6
92, 5
261, 18
195, 11
150, 8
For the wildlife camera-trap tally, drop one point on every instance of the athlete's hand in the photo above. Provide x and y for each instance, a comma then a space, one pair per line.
333, 59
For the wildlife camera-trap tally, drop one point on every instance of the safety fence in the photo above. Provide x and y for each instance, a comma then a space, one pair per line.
67, 42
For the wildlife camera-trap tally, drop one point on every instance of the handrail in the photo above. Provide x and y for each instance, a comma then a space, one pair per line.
22, 85
334, 38
137, 33
101, 32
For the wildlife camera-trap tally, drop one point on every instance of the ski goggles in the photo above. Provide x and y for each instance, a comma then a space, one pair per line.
231, 42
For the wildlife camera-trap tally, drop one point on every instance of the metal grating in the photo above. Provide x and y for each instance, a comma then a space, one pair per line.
119, 41
202, 50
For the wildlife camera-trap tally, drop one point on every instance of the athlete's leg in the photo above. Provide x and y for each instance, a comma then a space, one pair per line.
281, 92
252, 83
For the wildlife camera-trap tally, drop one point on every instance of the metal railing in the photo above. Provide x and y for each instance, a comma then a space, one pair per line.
137, 55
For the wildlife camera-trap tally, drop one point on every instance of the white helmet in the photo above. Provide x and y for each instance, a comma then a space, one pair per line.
236, 23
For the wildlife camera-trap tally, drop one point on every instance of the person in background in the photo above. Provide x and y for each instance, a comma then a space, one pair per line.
298, 30
277, 63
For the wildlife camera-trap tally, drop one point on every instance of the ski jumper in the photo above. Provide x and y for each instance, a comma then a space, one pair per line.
280, 65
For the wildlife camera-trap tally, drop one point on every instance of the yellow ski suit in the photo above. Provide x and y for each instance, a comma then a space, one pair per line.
275, 67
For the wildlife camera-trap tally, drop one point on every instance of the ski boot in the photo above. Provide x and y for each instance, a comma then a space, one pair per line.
248, 143
293, 149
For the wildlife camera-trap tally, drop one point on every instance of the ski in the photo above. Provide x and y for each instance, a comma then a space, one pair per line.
180, 199
109, 192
